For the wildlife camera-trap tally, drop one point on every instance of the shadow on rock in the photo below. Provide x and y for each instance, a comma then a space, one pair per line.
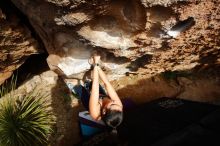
66, 108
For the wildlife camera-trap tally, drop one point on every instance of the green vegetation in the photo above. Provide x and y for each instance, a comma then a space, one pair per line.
8, 86
24, 121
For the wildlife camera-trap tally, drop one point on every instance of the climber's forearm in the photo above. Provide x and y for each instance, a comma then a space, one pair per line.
94, 107
110, 90
103, 76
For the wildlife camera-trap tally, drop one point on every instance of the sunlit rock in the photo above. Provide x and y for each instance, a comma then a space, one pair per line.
133, 36
110, 39
16, 43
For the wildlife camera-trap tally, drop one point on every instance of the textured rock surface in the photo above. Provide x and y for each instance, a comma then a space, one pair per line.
166, 3
16, 43
130, 34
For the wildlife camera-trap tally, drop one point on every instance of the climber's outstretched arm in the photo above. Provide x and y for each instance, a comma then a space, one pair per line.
94, 106
111, 91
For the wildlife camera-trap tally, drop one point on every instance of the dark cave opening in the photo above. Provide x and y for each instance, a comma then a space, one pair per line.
34, 65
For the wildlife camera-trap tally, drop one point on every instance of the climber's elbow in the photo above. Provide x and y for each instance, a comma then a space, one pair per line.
95, 114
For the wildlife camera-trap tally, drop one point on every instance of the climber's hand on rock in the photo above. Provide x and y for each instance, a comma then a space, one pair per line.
96, 58
91, 61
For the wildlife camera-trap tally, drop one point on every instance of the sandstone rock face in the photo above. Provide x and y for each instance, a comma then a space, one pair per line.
16, 43
132, 36
149, 3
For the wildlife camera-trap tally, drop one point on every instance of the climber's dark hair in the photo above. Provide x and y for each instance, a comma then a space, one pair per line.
113, 118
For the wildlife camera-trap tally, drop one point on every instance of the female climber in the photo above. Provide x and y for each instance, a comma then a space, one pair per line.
100, 105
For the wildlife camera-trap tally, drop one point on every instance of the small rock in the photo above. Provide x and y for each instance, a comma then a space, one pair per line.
49, 77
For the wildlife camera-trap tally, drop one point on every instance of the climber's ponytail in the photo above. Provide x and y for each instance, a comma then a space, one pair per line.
113, 119
114, 131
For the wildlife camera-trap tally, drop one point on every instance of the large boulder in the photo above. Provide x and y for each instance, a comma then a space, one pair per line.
141, 36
